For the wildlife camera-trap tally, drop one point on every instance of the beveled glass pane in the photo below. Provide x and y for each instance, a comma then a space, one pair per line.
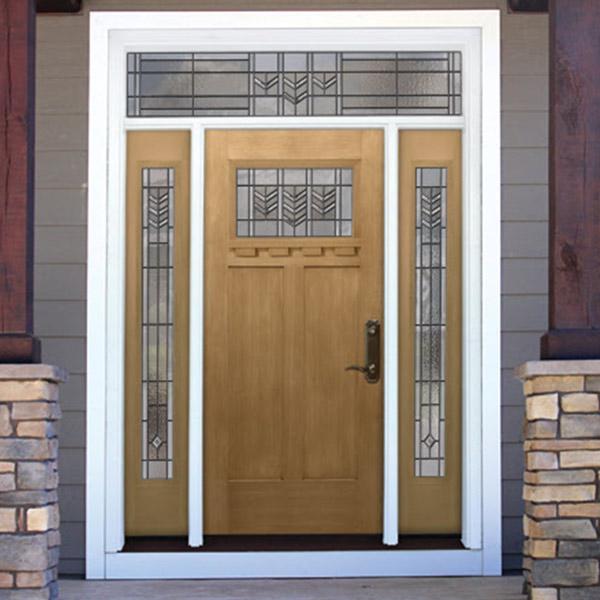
430, 323
294, 202
294, 83
157, 321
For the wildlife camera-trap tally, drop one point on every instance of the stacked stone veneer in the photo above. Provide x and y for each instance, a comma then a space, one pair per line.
29, 520
562, 480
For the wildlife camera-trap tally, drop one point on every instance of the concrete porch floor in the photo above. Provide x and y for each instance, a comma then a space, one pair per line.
450, 588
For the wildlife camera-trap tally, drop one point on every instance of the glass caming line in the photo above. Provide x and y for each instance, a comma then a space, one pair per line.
430, 321
294, 84
157, 322
294, 202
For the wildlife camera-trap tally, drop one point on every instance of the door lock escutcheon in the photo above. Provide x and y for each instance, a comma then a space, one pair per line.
372, 339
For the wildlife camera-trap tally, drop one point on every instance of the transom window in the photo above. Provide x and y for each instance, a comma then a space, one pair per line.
255, 84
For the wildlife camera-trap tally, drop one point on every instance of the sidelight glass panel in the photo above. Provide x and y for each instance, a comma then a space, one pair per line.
294, 202
430, 321
157, 322
294, 84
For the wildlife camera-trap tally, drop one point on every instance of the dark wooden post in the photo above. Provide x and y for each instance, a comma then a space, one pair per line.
17, 79
574, 330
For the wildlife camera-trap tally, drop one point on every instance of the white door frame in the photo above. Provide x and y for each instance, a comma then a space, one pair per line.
476, 35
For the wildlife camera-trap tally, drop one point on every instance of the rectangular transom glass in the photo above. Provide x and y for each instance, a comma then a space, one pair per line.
294, 202
254, 84
430, 321
157, 322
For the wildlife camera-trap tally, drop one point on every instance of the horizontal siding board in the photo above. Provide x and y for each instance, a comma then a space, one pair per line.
525, 129
56, 318
512, 535
525, 165
524, 313
59, 282
61, 207
519, 347
72, 503
525, 239
72, 566
61, 95
525, 203
512, 562
62, 59
512, 389
60, 244
512, 423
524, 276
72, 533
513, 461
72, 430
71, 464
72, 393
512, 499
525, 45
66, 169
61, 132
68, 353
525, 92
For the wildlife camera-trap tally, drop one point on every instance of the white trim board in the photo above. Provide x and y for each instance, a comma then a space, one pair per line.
247, 565
476, 34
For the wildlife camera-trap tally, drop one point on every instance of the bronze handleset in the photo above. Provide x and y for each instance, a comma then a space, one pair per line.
371, 370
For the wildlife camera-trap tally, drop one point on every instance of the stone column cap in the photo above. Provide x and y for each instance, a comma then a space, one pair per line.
557, 368
10, 372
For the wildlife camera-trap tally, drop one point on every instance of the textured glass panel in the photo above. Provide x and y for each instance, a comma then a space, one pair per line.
157, 322
430, 321
294, 83
294, 202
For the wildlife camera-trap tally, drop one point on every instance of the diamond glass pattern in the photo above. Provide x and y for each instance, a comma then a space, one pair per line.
157, 322
294, 202
430, 321
255, 84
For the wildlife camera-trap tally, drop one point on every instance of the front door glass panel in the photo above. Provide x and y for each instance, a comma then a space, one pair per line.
294, 202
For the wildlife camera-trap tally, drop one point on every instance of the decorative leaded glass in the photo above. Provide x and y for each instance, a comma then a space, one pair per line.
430, 322
293, 84
157, 322
294, 202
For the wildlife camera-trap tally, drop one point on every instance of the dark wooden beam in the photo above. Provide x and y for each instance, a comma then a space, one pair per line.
17, 78
58, 6
574, 317
530, 6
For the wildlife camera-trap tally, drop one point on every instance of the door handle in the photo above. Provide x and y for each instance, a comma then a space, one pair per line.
372, 368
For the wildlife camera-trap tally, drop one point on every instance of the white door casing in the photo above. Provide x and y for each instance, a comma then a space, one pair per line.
476, 35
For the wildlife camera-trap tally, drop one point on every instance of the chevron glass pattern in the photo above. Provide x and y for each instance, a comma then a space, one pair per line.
294, 84
430, 321
294, 202
157, 322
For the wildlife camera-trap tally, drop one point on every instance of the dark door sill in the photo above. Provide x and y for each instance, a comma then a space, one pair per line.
290, 543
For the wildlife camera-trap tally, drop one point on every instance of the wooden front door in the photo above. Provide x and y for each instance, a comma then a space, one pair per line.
293, 271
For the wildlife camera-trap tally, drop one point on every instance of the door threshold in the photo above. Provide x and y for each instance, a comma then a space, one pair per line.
290, 543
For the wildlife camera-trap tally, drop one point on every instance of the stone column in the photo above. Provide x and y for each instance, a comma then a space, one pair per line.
29, 519
561, 484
